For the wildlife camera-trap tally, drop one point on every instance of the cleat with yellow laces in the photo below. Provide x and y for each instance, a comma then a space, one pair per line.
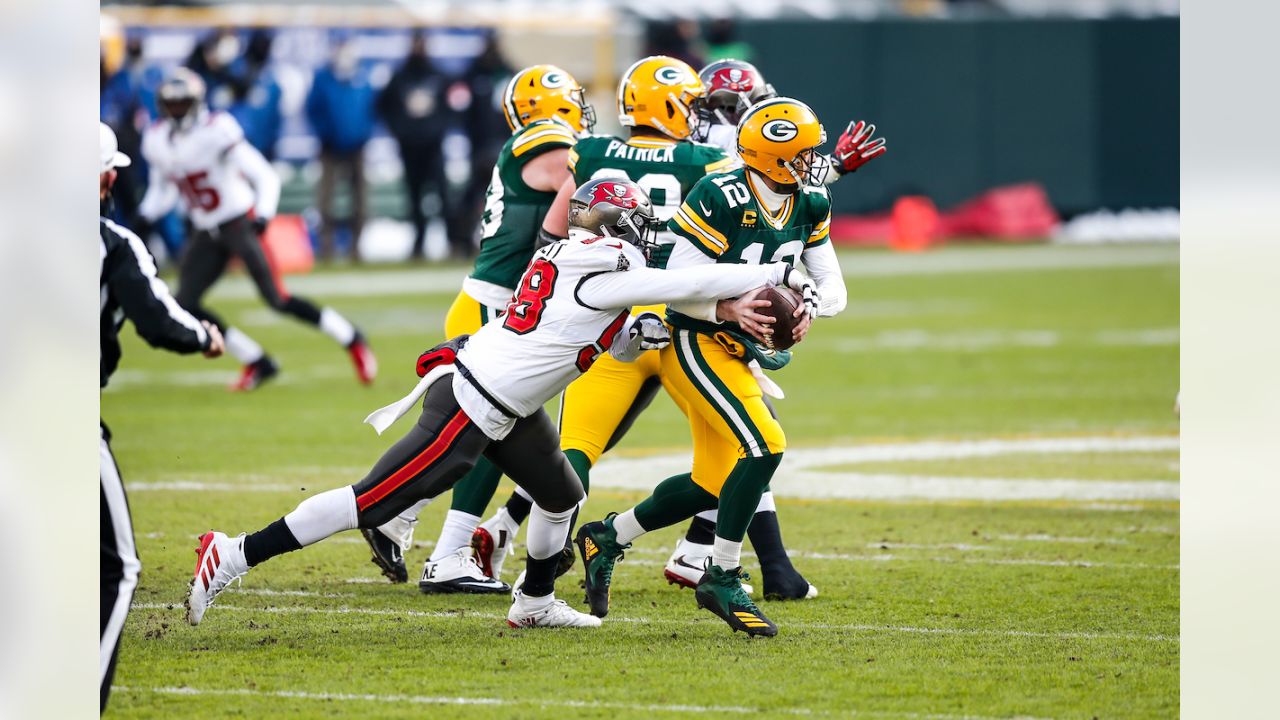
720, 591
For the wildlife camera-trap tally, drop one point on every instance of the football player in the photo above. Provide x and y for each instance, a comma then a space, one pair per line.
733, 88
774, 209
572, 304
546, 109
201, 161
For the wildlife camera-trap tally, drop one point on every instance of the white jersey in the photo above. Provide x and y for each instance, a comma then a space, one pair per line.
573, 304
209, 167
724, 137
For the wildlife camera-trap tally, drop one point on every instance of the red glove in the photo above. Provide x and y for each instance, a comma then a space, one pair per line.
446, 353
856, 147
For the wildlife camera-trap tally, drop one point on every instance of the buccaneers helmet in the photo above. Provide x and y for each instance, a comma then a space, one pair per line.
659, 92
545, 91
779, 139
618, 208
733, 86
181, 97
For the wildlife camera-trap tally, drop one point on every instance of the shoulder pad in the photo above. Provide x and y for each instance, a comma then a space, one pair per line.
542, 135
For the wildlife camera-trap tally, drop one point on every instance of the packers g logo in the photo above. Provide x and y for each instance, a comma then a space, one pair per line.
670, 75
779, 130
553, 80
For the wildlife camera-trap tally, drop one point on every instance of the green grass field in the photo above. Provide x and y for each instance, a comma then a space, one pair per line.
966, 568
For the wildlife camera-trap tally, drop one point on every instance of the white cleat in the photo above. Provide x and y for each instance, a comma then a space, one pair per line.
458, 573
546, 612
687, 564
219, 560
493, 541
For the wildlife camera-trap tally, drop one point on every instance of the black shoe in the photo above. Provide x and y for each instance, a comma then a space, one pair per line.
720, 591
386, 555
600, 550
787, 586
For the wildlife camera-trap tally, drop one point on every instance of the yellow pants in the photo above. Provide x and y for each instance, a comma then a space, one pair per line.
725, 406
466, 315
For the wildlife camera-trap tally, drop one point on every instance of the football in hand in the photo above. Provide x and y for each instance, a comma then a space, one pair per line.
783, 302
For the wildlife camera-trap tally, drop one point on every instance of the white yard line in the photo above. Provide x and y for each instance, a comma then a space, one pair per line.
707, 622
804, 473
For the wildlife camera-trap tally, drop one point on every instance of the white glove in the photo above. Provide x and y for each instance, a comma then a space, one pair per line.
798, 281
650, 332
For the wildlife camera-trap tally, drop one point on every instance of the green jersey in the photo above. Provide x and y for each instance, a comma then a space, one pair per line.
665, 169
513, 211
725, 219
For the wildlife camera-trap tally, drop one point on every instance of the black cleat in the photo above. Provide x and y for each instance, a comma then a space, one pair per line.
720, 591
600, 550
788, 586
386, 555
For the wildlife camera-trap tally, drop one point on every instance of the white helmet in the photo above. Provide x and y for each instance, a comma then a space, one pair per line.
109, 155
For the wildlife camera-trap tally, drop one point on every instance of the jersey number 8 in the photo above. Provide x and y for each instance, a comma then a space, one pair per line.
524, 312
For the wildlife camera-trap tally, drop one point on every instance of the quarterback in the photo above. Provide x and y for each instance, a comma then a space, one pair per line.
774, 209
571, 305
227, 189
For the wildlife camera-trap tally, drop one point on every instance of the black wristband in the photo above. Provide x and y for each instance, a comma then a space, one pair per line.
545, 238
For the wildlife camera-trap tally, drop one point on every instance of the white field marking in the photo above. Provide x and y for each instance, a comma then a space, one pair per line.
561, 703
963, 547
1162, 529
395, 320
1040, 537
268, 592
218, 378
888, 557
1112, 507
804, 473
446, 281
859, 627
978, 340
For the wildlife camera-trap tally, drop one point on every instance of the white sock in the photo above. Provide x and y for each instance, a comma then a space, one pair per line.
766, 503
322, 515
547, 532
242, 347
710, 515
455, 535
337, 327
532, 604
627, 527
400, 527
726, 554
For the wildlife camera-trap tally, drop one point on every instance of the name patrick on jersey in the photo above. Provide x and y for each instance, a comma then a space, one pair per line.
623, 151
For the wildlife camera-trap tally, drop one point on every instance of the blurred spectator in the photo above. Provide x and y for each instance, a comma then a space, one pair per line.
212, 60
723, 42
675, 38
413, 106
256, 104
340, 108
487, 131
123, 101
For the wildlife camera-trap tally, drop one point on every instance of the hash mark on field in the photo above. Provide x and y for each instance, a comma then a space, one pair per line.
708, 622
1040, 537
563, 703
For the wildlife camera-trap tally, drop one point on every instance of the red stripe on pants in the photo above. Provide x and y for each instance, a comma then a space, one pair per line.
415, 466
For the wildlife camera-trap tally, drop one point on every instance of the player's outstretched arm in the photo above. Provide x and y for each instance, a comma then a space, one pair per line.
266, 184
146, 301
649, 286
160, 198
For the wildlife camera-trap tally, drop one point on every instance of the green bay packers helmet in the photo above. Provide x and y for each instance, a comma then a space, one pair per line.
779, 138
614, 207
659, 92
546, 91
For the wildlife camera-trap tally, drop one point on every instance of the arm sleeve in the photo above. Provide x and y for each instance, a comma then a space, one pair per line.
648, 286
824, 267
684, 255
160, 198
146, 301
246, 159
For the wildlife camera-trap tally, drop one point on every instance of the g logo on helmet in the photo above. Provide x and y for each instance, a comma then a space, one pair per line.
614, 194
553, 80
670, 75
779, 130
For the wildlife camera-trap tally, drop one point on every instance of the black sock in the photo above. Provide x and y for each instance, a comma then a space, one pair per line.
272, 540
540, 576
518, 508
701, 531
766, 538
303, 309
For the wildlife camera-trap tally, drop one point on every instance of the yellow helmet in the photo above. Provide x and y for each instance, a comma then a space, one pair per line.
545, 91
779, 138
659, 92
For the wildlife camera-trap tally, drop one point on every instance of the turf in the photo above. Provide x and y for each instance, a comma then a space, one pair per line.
950, 609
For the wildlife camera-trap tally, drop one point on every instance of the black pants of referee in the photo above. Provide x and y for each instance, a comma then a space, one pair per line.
443, 446
206, 258
119, 568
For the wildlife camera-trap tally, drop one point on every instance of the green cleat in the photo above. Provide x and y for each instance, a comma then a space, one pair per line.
598, 544
720, 591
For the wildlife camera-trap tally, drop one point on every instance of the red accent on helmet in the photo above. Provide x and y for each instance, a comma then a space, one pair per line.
618, 194
732, 79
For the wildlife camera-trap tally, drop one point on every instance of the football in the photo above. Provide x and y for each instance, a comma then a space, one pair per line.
783, 302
